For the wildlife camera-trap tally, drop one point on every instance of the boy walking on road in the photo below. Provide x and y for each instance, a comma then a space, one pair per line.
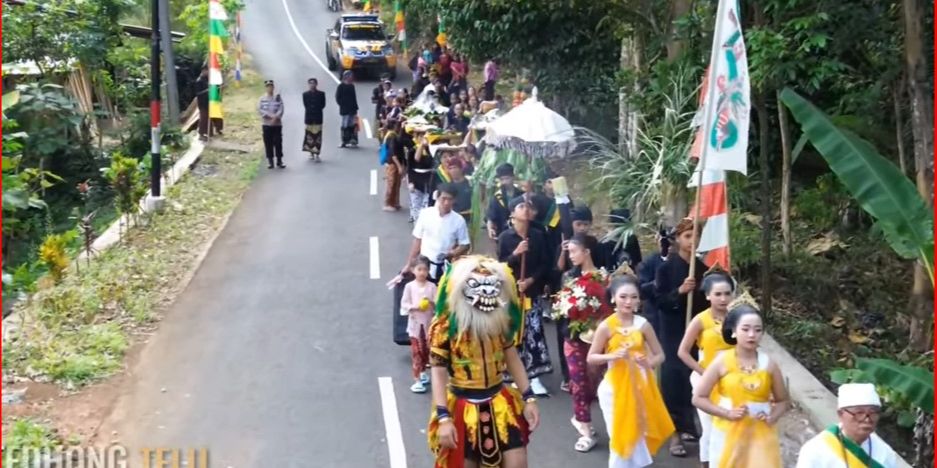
270, 109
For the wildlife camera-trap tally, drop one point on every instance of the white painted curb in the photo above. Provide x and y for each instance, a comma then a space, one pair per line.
809, 393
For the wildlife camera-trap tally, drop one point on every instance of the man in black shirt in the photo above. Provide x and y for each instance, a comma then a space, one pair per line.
523, 248
420, 166
201, 98
347, 101
379, 99
615, 252
313, 102
498, 212
463, 198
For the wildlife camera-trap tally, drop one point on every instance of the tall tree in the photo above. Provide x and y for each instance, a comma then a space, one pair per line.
918, 71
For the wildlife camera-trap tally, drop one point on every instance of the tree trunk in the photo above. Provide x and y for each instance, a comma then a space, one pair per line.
627, 113
785, 177
922, 123
763, 128
678, 9
898, 97
923, 439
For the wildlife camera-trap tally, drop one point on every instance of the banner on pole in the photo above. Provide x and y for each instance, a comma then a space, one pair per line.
216, 32
723, 128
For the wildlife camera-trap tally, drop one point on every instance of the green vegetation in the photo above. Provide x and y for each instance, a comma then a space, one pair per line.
843, 275
76, 132
27, 433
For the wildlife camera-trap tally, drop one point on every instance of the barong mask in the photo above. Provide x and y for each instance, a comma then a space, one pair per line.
483, 290
477, 293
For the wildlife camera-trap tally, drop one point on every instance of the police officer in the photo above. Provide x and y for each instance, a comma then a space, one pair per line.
270, 109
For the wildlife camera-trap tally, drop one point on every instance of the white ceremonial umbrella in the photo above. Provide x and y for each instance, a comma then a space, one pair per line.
542, 131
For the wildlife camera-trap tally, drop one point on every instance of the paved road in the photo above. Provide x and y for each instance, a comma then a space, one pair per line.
272, 356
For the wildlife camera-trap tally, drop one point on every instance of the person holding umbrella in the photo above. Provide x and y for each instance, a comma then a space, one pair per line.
523, 248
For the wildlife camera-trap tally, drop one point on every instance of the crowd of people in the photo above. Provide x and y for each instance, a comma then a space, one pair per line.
659, 377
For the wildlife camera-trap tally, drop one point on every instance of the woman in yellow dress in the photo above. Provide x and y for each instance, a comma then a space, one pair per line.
752, 396
637, 420
705, 331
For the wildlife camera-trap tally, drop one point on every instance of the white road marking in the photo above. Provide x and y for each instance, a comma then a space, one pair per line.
398, 455
375, 259
373, 181
302, 41
367, 127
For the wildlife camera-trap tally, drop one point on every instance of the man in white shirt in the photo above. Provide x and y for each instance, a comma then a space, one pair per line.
439, 234
852, 443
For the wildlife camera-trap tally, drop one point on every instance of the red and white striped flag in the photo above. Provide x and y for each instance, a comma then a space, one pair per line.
714, 209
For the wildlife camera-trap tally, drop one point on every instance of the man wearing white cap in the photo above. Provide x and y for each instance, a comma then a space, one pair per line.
852, 443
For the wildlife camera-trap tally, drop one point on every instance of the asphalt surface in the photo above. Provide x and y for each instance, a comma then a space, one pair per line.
272, 356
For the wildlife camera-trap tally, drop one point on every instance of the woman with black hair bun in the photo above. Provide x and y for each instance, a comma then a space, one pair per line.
752, 395
705, 333
637, 420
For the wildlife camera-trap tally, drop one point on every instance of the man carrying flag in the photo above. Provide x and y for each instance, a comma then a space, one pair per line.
721, 144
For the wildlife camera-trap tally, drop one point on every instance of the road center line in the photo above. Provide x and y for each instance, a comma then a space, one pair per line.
367, 127
373, 181
375, 259
302, 41
398, 454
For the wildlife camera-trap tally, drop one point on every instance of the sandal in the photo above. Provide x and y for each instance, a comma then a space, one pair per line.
678, 450
578, 426
584, 444
686, 437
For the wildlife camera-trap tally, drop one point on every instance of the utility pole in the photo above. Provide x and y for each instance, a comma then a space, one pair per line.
172, 86
156, 170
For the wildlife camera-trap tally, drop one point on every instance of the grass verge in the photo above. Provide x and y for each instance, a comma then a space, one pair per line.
77, 331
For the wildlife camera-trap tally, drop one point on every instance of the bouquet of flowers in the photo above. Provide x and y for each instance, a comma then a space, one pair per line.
582, 302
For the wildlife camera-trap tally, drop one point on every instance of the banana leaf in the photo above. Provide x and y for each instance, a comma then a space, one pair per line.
913, 384
875, 183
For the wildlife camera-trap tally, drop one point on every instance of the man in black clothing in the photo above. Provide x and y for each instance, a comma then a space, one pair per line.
347, 101
672, 287
379, 99
201, 98
617, 253
582, 224
523, 248
313, 102
646, 274
498, 212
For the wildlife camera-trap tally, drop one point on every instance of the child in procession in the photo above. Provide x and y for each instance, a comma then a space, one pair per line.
705, 331
752, 396
637, 421
418, 303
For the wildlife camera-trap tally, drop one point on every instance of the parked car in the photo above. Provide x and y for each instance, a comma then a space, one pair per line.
360, 42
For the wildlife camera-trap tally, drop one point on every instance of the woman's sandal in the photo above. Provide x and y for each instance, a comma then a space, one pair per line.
584, 444
686, 437
578, 426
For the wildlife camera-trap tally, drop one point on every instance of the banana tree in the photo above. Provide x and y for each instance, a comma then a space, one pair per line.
877, 185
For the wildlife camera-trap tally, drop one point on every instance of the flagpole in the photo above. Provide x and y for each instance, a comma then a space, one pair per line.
707, 134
